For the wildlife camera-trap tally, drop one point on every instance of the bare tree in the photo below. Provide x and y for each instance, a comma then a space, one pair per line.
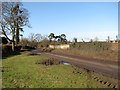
14, 17
39, 37
35, 37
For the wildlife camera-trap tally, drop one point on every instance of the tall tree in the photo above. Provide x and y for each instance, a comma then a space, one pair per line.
59, 38
51, 36
63, 38
56, 37
14, 17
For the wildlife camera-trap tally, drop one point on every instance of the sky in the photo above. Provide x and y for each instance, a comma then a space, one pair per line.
83, 20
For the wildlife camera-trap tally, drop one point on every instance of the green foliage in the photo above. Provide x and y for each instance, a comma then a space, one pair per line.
51, 36
60, 38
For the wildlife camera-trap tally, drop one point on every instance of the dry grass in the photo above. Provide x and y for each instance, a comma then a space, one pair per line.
97, 51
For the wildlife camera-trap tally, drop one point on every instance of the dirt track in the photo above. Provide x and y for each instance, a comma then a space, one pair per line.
109, 69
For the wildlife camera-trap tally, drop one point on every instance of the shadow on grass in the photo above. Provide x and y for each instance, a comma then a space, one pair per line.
11, 54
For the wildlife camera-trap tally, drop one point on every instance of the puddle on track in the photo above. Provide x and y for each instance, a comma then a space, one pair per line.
64, 62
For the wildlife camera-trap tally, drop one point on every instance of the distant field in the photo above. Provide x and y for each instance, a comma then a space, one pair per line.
22, 71
96, 50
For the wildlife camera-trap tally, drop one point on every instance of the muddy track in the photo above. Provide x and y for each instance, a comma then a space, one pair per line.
104, 68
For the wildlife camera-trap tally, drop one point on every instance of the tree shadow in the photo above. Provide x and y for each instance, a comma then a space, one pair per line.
11, 54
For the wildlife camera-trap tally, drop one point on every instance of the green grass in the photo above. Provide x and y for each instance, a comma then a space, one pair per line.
20, 71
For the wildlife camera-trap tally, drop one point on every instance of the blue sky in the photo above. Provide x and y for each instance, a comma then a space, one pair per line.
83, 20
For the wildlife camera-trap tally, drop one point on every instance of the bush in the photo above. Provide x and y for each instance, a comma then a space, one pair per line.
4, 40
27, 47
44, 43
7, 50
45, 49
24, 42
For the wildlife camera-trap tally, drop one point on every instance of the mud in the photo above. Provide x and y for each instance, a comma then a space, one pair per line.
50, 61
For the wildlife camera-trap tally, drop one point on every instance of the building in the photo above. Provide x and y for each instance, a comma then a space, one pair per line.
62, 46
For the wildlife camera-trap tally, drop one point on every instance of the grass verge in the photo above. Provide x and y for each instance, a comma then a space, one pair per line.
21, 72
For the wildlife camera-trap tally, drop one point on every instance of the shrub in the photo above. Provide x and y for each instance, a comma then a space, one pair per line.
27, 47
4, 40
24, 42
44, 43
7, 50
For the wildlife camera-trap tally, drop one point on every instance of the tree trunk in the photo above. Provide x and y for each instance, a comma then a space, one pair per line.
17, 36
13, 46
13, 42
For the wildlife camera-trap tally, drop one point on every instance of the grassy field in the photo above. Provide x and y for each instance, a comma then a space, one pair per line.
21, 71
106, 55
99, 50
